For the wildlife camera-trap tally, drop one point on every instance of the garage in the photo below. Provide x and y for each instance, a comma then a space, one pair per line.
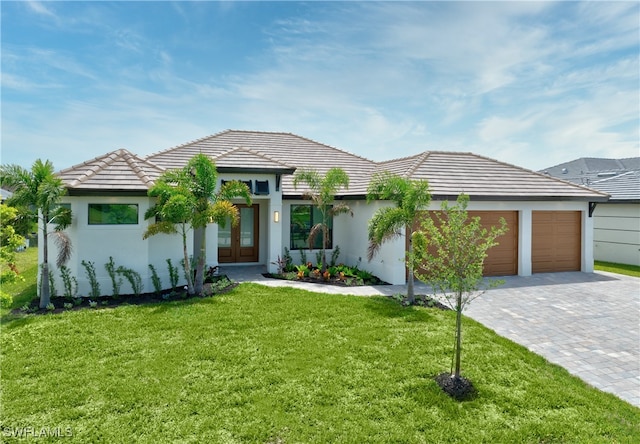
556, 241
501, 260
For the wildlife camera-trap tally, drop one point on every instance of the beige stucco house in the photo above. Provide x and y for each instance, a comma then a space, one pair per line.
550, 220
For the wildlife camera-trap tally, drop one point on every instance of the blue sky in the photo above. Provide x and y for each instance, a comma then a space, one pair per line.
533, 84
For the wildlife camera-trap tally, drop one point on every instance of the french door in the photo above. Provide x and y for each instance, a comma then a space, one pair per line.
240, 243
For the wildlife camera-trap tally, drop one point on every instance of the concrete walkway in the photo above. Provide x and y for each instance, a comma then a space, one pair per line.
588, 323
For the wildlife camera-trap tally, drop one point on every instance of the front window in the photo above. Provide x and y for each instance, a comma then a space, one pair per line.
303, 218
113, 214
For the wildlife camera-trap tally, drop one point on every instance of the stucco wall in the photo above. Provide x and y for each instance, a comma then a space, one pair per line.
617, 233
96, 243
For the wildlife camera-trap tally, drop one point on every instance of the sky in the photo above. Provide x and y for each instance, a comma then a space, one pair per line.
533, 84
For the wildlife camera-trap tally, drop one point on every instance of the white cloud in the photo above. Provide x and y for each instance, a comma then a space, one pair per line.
40, 8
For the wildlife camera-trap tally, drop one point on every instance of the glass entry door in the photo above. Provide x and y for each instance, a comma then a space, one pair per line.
240, 243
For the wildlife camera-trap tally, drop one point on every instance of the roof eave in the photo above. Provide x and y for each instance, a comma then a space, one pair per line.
240, 170
110, 192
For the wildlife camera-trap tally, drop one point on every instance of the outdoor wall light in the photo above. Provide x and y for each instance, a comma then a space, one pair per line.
276, 216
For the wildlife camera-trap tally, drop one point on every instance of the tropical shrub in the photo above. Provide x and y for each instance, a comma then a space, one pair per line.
90, 270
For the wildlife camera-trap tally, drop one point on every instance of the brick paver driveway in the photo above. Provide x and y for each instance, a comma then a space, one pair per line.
588, 323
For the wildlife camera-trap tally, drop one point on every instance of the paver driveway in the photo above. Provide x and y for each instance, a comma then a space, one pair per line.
588, 323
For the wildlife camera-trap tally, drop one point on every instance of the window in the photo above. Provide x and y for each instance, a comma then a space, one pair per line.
113, 214
262, 187
303, 217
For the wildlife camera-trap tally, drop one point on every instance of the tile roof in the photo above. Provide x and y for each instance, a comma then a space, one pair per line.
448, 173
116, 171
623, 187
618, 177
452, 173
286, 148
243, 159
586, 170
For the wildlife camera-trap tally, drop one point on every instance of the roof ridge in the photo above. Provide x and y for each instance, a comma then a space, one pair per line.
400, 158
254, 152
537, 173
626, 173
329, 146
191, 142
102, 162
422, 157
133, 161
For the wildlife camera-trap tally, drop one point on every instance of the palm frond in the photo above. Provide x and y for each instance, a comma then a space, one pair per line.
224, 210
164, 227
340, 208
313, 233
63, 242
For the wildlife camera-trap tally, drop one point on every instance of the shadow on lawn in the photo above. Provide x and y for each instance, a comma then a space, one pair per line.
390, 308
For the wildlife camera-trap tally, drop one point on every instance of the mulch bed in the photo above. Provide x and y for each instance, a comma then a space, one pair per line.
83, 303
459, 388
330, 281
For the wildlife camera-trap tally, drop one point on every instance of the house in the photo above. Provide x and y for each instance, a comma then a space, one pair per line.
617, 221
549, 219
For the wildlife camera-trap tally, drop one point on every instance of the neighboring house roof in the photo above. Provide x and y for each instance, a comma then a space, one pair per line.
116, 171
586, 170
448, 173
5, 194
618, 177
623, 187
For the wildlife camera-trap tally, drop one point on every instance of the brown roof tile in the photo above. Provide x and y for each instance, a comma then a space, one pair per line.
448, 173
119, 170
286, 148
452, 173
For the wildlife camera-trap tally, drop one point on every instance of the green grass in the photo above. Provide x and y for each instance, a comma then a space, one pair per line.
629, 270
260, 364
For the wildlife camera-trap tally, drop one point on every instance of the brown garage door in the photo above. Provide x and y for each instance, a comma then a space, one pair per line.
556, 241
501, 260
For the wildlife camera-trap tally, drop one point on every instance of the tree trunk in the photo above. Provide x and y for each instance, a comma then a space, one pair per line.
187, 265
199, 283
410, 292
458, 349
45, 290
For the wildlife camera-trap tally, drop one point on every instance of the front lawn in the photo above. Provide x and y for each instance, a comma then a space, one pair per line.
260, 364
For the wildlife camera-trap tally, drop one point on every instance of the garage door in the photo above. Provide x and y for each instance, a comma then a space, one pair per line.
501, 260
556, 241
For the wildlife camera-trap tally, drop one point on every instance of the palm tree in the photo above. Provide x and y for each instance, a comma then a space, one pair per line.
41, 189
187, 199
322, 190
409, 196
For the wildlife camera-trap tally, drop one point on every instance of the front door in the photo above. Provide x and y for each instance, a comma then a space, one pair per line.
240, 243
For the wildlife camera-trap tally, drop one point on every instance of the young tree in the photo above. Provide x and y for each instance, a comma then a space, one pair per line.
322, 190
409, 196
451, 248
42, 189
186, 199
